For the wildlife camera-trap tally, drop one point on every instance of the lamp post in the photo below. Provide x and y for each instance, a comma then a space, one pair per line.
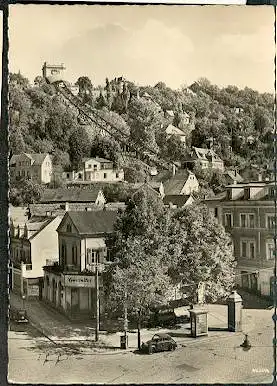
138, 326
97, 303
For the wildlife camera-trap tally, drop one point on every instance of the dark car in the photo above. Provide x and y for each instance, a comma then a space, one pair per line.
19, 316
159, 342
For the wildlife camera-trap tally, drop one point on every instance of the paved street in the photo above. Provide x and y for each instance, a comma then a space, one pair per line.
217, 358
36, 360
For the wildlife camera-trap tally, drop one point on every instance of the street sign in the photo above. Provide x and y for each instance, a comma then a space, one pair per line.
79, 281
33, 290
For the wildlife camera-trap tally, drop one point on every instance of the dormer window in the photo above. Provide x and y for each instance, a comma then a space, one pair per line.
69, 228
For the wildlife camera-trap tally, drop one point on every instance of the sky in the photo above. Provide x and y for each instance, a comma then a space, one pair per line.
146, 44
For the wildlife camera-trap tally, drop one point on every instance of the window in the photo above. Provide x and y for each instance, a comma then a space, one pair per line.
247, 220
243, 220
95, 167
116, 175
216, 212
80, 176
251, 250
248, 249
74, 255
270, 221
109, 255
89, 166
69, 228
105, 175
270, 250
251, 221
228, 220
92, 256
63, 254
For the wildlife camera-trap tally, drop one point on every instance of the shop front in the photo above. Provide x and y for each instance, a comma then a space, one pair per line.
74, 294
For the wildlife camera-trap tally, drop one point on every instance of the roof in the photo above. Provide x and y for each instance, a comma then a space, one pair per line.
72, 194
179, 200
93, 222
176, 183
234, 175
97, 159
174, 130
18, 214
204, 153
162, 176
36, 224
38, 158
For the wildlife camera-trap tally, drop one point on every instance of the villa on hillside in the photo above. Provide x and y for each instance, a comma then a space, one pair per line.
96, 170
34, 166
205, 158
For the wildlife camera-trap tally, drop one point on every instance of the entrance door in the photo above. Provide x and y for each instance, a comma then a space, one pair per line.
253, 282
74, 299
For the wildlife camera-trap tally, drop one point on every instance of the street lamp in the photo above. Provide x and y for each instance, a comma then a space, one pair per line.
138, 326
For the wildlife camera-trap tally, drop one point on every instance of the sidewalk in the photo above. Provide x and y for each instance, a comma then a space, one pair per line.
59, 328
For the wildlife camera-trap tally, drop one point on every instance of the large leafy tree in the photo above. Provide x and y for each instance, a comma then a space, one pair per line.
203, 253
138, 279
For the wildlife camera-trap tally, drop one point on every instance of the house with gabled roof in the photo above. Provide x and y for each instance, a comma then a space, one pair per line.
70, 285
33, 244
232, 177
178, 201
172, 130
206, 158
61, 200
34, 166
184, 182
156, 186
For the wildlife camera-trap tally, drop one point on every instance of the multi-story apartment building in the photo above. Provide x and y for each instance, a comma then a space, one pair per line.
247, 212
35, 166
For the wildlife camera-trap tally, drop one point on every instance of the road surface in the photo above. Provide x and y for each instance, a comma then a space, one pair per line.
35, 359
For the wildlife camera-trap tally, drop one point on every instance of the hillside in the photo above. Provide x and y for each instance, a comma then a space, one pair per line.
238, 122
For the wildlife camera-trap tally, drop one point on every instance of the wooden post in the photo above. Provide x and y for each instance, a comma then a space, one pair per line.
97, 303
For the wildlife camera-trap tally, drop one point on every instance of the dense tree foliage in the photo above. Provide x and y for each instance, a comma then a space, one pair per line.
156, 248
239, 121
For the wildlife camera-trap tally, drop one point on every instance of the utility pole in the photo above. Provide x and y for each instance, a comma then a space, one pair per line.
21, 279
97, 301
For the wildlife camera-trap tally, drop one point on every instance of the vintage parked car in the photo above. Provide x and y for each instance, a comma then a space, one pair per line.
159, 342
19, 316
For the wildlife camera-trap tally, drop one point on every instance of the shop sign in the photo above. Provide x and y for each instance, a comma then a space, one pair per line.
33, 290
79, 281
